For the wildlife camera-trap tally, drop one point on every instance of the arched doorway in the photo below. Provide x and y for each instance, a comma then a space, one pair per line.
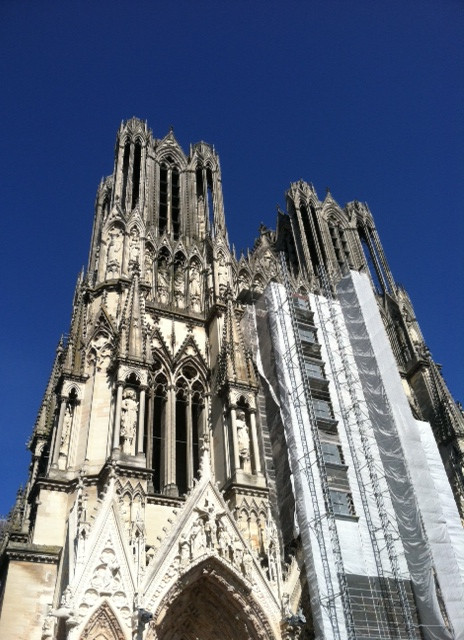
103, 625
207, 603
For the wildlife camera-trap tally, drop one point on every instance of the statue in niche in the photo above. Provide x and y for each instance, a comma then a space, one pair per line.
243, 441
66, 428
163, 281
113, 260
179, 285
243, 281
149, 260
269, 264
194, 288
247, 563
210, 528
134, 248
129, 407
197, 538
223, 541
201, 217
222, 274
184, 550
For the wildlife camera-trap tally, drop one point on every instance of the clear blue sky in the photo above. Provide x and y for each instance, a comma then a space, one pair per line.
365, 97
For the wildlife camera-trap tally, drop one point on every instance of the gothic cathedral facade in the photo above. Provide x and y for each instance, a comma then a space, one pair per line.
208, 459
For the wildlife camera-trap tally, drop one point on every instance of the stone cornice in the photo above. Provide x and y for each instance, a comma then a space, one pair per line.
38, 554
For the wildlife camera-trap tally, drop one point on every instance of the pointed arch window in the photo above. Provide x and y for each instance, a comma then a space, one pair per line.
169, 204
131, 171
373, 260
340, 245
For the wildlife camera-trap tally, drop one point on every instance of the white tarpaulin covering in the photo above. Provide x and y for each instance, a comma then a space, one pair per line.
427, 517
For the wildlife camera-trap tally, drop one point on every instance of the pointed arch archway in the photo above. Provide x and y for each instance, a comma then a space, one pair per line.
210, 602
103, 625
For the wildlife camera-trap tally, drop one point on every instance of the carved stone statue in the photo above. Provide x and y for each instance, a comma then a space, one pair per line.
194, 288
163, 282
129, 408
222, 274
66, 428
243, 441
134, 248
149, 259
113, 261
179, 286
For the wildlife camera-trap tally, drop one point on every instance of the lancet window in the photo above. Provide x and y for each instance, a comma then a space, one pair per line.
340, 245
156, 427
175, 426
373, 259
131, 167
189, 426
313, 236
169, 204
204, 192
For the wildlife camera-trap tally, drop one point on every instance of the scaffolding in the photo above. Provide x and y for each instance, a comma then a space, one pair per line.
301, 401
353, 417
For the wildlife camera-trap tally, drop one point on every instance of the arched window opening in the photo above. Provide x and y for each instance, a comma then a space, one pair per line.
181, 437
169, 203
125, 173
309, 237
163, 200
106, 206
175, 203
199, 183
159, 425
197, 424
375, 267
210, 199
318, 234
334, 232
136, 174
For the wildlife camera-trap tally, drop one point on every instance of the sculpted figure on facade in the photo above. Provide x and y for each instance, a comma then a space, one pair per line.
222, 274
179, 286
113, 261
194, 287
163, 281
243, 441
197, 538
66, 428
148, 265
134, 248
129, 410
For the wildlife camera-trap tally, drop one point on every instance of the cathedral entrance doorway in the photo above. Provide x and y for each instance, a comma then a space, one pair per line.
211, 606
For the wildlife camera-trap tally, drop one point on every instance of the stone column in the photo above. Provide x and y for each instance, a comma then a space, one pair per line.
254, 442
117, 416
170, 444
56, 450
150, 429
233, 417
141, 423
189, 428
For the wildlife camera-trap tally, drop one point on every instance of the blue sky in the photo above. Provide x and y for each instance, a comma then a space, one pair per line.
365, 97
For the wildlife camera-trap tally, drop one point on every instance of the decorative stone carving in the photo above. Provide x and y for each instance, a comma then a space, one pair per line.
66, 428
148, 265
243, 441
134, 248
163, 282
179, 286
194, 288
129, 411
113, 261
107, 578
222, 276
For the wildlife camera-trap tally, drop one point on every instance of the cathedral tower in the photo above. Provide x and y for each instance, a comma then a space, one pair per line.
236, 448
